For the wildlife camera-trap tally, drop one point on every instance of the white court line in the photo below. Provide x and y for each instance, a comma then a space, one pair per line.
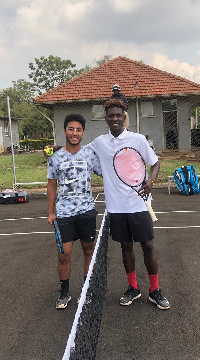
176, 211
38, 217
95, 200
177, 227
28, 233
51, 232
45, 217
32, 232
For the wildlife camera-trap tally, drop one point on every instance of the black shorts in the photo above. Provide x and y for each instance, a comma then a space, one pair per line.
127, 227
81, 227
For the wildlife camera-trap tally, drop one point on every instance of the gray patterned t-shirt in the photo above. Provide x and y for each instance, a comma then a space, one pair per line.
73, 173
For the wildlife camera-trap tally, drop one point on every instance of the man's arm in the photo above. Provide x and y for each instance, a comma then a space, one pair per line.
154, 171
51, 198
146, 188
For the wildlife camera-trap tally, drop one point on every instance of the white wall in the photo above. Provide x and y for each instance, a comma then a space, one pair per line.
152, 126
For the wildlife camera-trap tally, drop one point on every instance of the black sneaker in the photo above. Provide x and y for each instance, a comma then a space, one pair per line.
157, 298
130, 295
63, 300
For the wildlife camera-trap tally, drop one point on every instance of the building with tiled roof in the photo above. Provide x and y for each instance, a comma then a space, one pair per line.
159, 102
5, 136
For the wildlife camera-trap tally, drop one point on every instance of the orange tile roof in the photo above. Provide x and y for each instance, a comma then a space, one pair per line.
134, 78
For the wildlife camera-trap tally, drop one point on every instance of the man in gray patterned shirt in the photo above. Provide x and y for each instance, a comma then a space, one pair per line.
71, 168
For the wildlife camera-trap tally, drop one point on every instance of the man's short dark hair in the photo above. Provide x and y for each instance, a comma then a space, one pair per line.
74, 117
115, 103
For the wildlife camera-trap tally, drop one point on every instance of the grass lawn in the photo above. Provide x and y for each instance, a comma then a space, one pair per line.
32, 167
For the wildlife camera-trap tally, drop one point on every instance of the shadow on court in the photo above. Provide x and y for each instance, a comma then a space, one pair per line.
31, 327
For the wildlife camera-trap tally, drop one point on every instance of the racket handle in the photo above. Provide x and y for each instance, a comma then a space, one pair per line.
151, 212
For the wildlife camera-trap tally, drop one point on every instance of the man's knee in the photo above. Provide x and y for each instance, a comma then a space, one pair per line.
88, 248
127, 247
64, 259
147, 247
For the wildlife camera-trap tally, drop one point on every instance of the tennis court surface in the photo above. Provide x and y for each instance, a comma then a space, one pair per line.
31, 327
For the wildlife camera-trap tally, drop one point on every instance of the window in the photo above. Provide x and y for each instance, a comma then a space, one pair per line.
169, 105
6, 128
147, 108
98, 112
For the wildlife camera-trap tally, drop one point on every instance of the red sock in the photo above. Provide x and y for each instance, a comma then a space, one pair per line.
153, 282
132, 279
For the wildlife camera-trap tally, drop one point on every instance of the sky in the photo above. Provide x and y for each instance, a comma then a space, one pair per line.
163, 34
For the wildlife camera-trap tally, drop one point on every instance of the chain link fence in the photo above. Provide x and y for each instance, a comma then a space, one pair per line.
171, 125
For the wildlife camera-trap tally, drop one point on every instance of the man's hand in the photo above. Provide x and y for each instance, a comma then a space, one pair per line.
145, 189
51, 218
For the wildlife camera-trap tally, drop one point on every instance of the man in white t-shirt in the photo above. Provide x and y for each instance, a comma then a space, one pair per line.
129, 219
72, 167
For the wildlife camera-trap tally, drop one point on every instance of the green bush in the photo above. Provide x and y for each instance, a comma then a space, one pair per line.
34, 144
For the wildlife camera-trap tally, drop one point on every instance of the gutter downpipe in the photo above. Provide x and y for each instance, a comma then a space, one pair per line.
137, 117
52, 123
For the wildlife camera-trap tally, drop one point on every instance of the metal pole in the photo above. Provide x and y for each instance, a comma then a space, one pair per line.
137, 117
11, 140
196, 117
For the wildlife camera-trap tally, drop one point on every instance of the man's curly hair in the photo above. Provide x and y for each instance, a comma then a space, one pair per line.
115, 102
74, 117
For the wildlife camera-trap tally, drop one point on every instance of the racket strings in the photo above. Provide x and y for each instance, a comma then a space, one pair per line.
131, 170
130, 167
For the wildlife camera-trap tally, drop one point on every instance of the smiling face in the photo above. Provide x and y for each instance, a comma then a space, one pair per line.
73, 133
115, 118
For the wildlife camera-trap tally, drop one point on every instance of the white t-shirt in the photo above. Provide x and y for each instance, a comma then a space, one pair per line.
119, 197
73, 172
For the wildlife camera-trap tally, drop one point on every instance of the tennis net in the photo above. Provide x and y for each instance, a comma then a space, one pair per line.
83, 339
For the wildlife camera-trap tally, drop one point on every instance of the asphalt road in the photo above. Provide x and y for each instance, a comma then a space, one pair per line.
31, 327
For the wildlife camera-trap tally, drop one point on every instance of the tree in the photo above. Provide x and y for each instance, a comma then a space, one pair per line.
103, 59
46, 73
49, 72
24, 89
31, 122
81, 71
13, 97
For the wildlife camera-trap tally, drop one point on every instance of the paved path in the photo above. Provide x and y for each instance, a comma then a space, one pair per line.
31, 327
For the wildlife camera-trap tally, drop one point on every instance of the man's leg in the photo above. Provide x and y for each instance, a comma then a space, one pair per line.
88, 249
150, 260
86, 228
128, 256
64, 270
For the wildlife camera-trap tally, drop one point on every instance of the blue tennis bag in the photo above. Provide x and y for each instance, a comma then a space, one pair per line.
186, 180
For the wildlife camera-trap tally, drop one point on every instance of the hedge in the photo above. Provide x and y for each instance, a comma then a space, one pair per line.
34, 144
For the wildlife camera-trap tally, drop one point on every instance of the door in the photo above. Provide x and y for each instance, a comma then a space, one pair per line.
170, 124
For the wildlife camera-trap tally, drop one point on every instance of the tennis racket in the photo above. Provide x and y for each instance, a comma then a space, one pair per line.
130, 168
58, 237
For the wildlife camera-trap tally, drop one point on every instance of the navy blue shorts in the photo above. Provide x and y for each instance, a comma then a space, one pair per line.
136, 227
82, 226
